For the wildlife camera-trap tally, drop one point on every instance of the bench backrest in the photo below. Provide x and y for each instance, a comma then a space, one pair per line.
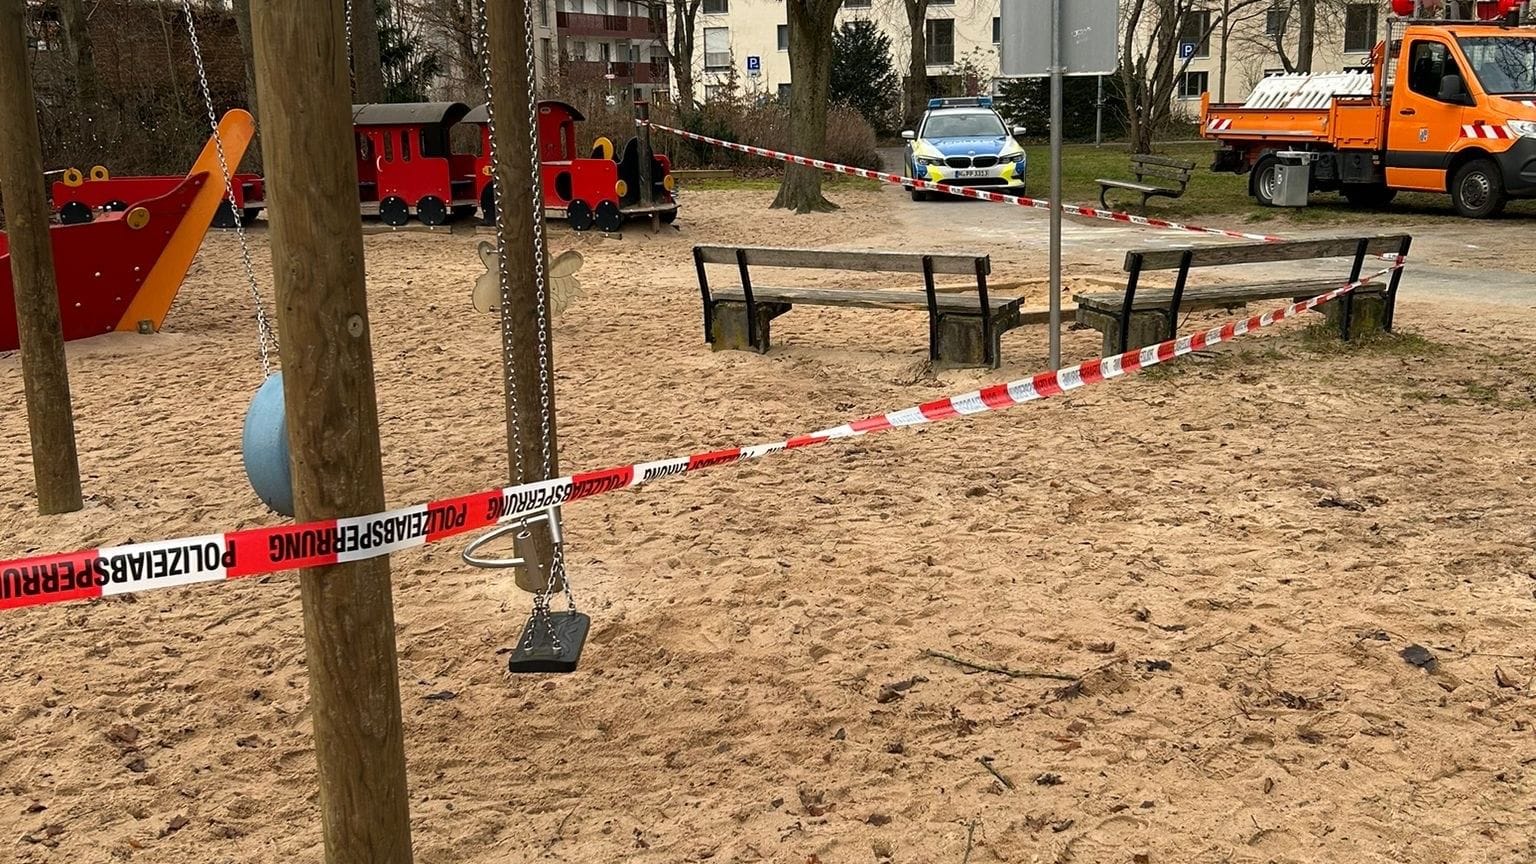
1162, 166
965, 264
1261, 253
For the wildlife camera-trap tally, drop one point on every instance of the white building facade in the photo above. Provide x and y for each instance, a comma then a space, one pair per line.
749, 39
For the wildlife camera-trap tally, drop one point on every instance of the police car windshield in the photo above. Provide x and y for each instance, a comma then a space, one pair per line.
963, 124
1505, 65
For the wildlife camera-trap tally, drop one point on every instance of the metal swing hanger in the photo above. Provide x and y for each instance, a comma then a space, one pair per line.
266, 337
550, 641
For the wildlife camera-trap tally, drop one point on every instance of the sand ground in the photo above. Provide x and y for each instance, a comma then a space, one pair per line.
1229, 557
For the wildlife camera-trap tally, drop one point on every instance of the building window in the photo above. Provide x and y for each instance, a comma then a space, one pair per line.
1193, 84
717, 7
548, 49
717, 47
940, 34
1196, 27
997, 31
715, 92
543, 13
784, 93
1275, 18
941, 2
1360, 27
859, 4
1270, 73
783, 37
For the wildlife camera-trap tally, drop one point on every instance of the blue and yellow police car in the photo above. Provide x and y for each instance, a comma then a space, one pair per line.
964, 142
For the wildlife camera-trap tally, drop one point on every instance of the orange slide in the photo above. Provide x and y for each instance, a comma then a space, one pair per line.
122, 271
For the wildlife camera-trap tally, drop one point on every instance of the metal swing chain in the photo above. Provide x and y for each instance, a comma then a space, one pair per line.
347, 11
266, 338
557, 565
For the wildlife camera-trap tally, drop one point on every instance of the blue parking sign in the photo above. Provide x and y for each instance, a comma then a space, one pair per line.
754, 64
1187, 49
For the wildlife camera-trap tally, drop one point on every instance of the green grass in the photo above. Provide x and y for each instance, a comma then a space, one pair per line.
1226, 195
1320, 337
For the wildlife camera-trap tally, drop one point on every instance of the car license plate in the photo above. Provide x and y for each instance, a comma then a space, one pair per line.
971, 172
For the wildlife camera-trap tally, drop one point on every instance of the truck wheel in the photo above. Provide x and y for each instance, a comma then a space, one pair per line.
1477, 190
1265, 181
1369, 196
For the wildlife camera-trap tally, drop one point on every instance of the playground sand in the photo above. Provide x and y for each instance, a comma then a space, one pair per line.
1231, 554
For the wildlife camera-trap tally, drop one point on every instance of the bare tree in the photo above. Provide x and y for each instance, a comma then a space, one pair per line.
810, 66
454, 24
1150, 67
916, 92
74, 23
242, 10
685, 21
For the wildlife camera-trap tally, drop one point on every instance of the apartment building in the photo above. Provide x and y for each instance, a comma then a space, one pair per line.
615, 44
749, 40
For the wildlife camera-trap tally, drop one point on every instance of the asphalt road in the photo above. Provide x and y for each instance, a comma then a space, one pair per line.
1462, 260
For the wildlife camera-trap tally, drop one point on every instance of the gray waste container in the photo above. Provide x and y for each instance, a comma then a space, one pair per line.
1293, 177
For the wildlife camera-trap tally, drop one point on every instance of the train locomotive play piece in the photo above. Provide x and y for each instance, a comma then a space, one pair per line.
122, 270
79, 197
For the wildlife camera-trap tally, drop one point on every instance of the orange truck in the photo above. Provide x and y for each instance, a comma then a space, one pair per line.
1446, 107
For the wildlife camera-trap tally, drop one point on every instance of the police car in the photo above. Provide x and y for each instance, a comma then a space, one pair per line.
964, 142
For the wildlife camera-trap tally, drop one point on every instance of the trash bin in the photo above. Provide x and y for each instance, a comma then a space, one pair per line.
1293, 178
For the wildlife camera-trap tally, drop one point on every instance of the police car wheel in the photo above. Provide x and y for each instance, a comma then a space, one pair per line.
919, 195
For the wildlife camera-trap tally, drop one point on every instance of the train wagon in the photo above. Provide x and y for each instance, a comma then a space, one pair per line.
406, 164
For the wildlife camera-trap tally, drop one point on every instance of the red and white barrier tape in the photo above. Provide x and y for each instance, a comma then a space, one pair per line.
113, 570
969, 191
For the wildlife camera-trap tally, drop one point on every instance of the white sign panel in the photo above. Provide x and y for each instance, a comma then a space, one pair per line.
1089, 37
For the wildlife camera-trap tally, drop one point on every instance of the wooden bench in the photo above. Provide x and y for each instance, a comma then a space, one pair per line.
1135, 319
1158, 167
964, 327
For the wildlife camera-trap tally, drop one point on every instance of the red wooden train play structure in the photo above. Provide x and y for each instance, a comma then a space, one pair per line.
406, 167
122, 271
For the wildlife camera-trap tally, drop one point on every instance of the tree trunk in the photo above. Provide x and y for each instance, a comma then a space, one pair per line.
367, 72
810, 66
1306, 34
684, 19
917, 64
242, 10
77, 44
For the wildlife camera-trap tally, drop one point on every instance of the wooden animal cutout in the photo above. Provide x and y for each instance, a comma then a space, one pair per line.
561, 281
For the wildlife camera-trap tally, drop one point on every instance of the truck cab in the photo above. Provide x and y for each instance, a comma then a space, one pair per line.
1451, 109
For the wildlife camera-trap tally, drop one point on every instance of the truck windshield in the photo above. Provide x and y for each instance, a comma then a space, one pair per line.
973, 124
1504, 65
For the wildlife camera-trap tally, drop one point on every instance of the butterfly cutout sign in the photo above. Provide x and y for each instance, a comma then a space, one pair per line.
561, 281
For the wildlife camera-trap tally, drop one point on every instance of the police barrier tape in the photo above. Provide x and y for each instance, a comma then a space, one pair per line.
967, 191
113, 570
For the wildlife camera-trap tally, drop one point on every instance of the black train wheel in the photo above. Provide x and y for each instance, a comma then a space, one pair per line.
75, 213
669, 216
579, 214
609, 218
394, 212
431, 210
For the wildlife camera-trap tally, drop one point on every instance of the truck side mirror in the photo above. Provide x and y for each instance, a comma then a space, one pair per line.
908, 135
1453, 90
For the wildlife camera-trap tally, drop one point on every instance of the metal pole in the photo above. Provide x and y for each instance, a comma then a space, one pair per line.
44, 375
333, 428
1056, 72
1098, 117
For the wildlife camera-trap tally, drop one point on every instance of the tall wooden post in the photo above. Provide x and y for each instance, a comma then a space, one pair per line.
45, 377
333, 433
521, 329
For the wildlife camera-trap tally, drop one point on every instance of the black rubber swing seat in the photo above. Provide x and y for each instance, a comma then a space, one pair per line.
536, 650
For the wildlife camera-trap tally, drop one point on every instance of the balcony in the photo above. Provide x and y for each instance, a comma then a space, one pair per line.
653, 72
609, 26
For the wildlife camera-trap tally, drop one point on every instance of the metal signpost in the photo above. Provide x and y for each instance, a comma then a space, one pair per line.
1080, 41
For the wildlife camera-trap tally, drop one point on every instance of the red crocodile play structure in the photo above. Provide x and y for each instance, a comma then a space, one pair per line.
122, 271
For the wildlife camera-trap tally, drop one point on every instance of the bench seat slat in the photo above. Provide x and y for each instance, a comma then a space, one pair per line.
1263, 253
1164, 161
1138, 187
1216, 296
953, 264
948, 303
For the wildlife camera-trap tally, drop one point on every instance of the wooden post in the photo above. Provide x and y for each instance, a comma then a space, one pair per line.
44, 374
333, 433
521, 329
